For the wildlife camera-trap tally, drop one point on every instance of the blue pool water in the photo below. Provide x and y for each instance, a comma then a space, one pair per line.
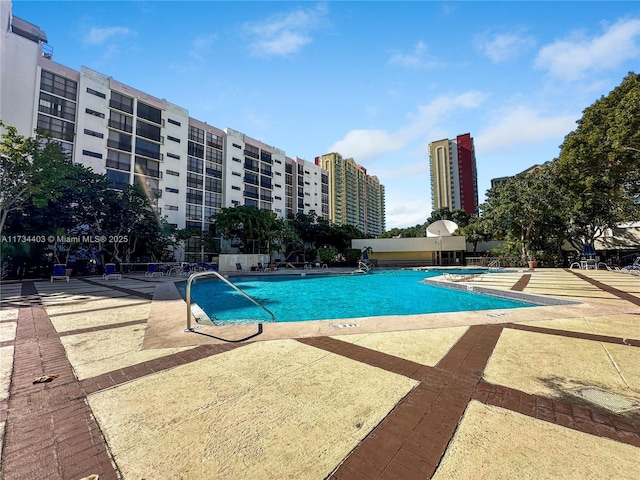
294, 298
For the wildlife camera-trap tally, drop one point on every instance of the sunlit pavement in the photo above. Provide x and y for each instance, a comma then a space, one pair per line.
125, 392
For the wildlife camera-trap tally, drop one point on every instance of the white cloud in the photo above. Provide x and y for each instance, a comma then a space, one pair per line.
285, 34
201, 45
504, 46
523, 126
569, 59
418, 58
365, 145
100, 36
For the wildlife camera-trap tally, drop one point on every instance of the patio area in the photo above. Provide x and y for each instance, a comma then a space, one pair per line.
123, 392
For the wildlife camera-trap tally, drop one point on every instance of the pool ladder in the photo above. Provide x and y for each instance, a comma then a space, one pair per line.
236, 288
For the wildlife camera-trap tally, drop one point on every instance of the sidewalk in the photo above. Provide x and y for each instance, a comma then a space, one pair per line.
542, 392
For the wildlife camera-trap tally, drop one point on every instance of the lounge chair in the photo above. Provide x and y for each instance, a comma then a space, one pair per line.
186, 269
591, 264
260, 267
239, 267
575, 264
110, 271
59, 272
152, 269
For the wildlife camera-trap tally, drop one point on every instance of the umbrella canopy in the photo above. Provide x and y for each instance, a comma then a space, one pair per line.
365, 254
588, 250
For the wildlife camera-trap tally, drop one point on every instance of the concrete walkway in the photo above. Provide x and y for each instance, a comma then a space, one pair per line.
125, 392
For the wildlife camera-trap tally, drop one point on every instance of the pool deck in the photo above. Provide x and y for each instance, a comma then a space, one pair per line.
540, 392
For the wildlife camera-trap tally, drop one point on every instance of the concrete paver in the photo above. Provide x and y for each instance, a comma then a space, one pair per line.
471, 394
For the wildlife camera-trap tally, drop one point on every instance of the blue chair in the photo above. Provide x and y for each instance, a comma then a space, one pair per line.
186, 269
152, 269
59, 272
110, 271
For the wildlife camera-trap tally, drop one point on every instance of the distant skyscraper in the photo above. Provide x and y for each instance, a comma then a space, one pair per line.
355, 198
454, 179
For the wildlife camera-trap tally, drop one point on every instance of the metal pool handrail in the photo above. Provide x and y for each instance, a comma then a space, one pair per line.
202, 274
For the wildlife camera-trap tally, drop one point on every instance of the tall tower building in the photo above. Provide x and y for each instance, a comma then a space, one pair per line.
454, 178
355, 198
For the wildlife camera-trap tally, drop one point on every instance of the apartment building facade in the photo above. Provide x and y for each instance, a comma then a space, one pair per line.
453, 173
189, 169
355, 198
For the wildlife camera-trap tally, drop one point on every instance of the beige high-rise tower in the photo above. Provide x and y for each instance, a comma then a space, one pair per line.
355, 198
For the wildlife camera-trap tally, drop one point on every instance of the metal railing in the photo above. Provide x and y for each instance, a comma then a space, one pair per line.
239, 290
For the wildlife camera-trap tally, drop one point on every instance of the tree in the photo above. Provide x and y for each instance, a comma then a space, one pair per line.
460, 217
527, 212
598, 170
31, 170
477, 230
250, 230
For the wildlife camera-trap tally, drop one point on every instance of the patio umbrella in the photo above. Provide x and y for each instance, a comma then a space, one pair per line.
365, 254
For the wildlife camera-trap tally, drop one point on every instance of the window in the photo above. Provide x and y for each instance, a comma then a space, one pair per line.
119, 140
118, 160
94, 113
214, 155
56, 127
251, 191
265, 157
117, 180
213, 199
63, 87
213, 184
194, 196
56, 106
251, 178
121, 102
147, 149
235, 188
120, 121
237, 146
278, 198
237, 174
194, 180
196, 134
172, 190
149, 113
252, 151
147, 130
195, 165
250, 202
173, 122
236, 160
96, 93
214, 140
173, 139
171, 207
173, 155
194, 212
89, 153
145, 166
174, 173
93, 134
213, 169
195, 149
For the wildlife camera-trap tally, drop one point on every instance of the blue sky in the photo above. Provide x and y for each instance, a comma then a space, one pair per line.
376, 81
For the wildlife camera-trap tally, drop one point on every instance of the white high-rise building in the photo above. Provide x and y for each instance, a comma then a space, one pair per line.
189, 169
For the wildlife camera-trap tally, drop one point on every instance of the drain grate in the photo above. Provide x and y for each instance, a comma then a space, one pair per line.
611, 401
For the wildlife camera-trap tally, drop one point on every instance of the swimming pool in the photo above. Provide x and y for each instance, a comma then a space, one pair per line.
294, 298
